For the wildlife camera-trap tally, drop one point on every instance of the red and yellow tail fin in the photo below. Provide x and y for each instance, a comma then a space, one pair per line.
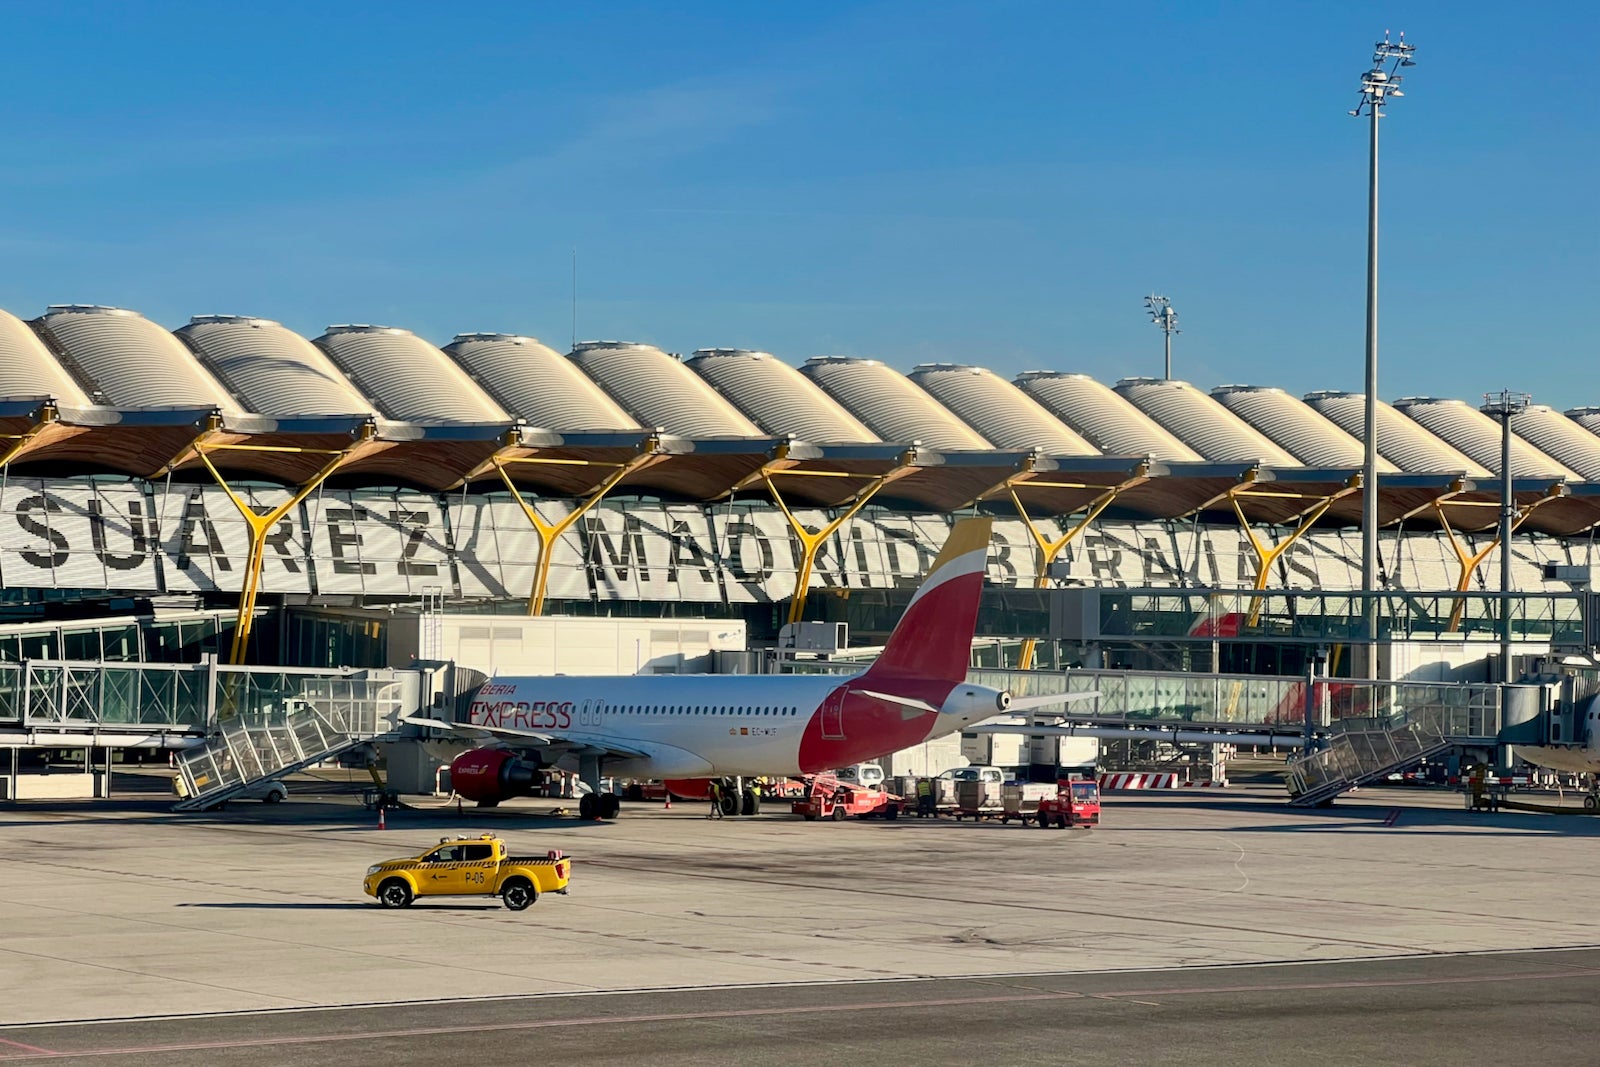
933, 639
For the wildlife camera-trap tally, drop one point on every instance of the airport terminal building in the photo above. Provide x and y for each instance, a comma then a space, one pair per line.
233, 489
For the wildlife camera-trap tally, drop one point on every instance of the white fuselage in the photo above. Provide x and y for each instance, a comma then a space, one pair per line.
691, 725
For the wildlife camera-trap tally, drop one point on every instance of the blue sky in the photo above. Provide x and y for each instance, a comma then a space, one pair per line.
995, 183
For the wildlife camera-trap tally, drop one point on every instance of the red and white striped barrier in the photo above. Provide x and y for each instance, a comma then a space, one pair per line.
1128, 780
1509, 779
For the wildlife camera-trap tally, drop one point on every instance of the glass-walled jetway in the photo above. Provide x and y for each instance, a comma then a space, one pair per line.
161, 637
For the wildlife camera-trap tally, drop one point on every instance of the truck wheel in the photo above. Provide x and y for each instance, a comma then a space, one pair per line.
839, 813
394, 894
1044, 820
589, 807
517, 894
610, 806
1061, 822
892, 812
749, 803
1591, 802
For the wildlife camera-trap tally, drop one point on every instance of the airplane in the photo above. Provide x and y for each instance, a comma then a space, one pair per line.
1571, 759
689, 729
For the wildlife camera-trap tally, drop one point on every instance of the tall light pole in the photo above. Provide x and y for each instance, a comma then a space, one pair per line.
1504, 406
1161, 313
1378, 86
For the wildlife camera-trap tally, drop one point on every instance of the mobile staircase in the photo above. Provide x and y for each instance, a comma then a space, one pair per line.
1366, 750
317, 720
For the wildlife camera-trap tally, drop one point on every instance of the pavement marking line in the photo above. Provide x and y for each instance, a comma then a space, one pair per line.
774, 1012
34, 1049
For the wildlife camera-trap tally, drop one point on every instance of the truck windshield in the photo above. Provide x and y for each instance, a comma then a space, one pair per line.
1085, 791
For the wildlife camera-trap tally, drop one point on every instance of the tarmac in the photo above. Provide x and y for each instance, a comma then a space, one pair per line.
123, 910
1431, 1010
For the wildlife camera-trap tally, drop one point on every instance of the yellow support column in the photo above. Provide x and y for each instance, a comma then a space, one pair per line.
1049, 549
549, 532
811, 540
1267, 555
260, 526
1469, 562
41, 419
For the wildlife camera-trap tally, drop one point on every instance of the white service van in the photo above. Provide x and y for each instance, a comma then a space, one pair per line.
867, 774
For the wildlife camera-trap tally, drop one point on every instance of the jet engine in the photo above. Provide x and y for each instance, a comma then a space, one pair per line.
490, 775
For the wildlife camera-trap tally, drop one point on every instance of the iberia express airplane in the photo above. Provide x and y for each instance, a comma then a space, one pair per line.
688, 729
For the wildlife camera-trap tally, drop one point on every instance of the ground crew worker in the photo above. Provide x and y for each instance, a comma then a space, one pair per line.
714, 790
924, 797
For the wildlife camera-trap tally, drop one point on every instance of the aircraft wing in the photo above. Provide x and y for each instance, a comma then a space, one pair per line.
596, 744
1049, 700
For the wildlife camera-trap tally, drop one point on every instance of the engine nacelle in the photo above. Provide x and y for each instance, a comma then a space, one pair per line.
490, 775
972, 703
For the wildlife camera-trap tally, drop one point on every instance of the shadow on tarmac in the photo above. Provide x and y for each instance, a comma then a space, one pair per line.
338, 907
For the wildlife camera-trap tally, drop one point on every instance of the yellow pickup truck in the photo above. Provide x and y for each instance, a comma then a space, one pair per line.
468, 866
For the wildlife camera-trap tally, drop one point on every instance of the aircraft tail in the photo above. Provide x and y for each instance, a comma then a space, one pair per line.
933, 639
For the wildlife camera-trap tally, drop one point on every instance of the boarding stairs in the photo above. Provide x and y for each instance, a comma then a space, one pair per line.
1365, 750
320, 719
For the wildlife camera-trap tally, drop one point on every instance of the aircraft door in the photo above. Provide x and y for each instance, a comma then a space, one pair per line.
833, 714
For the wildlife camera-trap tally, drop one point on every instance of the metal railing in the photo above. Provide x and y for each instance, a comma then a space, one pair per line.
1361, 751
1245, 700
323, 717
1327, 617
171, 697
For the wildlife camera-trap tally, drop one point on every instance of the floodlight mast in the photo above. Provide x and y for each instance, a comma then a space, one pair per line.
1162, 314
1504, 407
1378, 85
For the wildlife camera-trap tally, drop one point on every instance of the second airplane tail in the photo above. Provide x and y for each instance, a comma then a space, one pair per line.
933, 639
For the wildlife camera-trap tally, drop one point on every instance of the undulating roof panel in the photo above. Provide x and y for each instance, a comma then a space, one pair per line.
1406, 444
272, 369
409, 379
778, 397
1478, 435
28, 369
537, 384
1587, 417
130, 360
996, 408
1296, 427
1203, 424
891, 404
658, 390
1560, 438
1104, 418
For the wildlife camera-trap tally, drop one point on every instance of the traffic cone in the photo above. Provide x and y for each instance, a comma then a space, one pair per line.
381, 824
668, 805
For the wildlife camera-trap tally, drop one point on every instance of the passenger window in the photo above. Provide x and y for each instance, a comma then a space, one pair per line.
478, 853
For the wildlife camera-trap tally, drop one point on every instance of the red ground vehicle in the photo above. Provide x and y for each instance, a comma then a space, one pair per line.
832, 799
1076, 803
